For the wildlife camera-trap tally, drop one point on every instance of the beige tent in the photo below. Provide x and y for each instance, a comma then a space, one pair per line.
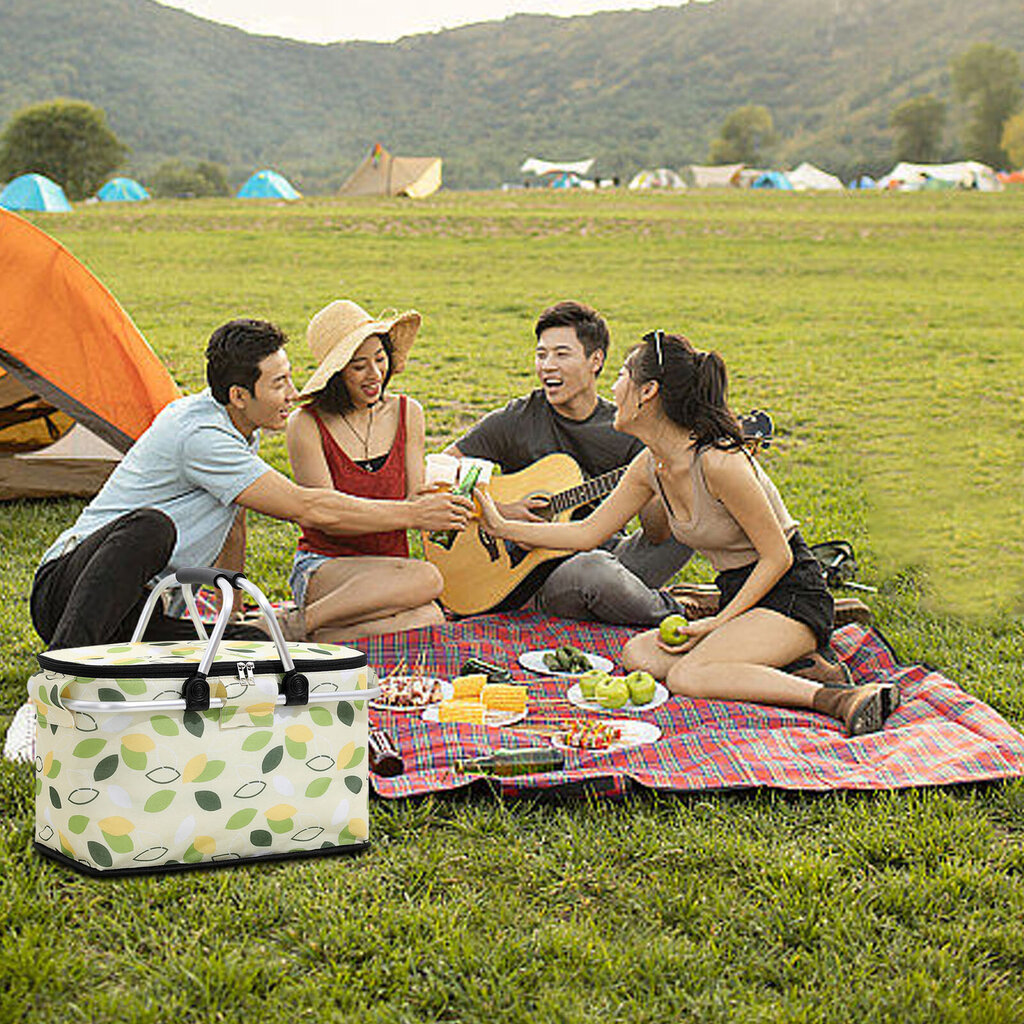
382, 174
718, 176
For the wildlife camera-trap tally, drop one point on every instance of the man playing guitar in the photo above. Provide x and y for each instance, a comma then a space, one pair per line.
621, 583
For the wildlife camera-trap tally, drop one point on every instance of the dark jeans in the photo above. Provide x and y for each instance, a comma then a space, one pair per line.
95, 593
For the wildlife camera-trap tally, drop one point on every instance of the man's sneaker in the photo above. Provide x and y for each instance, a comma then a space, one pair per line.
851, 609
696, 600
827, 670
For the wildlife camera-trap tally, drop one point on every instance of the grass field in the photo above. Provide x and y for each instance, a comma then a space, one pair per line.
883, 333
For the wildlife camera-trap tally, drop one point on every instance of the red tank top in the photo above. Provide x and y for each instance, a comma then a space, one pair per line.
347, 477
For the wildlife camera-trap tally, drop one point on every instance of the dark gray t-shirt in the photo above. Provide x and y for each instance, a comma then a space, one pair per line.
528, 428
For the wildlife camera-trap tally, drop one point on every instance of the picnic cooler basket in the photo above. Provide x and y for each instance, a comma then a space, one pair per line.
156, 756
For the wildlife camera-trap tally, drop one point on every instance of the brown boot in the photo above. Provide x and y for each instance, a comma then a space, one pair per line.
862, 709
851, 609
818, 668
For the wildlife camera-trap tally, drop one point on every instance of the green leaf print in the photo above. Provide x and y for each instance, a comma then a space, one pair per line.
241, 818
193, 721
208, 800
134, 759
357, 756
164, 725
256, 740
109, 694
260, 837
211, 771
136, 687
78, 823
317, 788
320, 716
346, 715
119, 844
100, 854
353, 783
106, 767
272, 759
88, 748
159, 801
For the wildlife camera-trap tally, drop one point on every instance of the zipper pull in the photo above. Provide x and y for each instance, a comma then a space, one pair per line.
246, 670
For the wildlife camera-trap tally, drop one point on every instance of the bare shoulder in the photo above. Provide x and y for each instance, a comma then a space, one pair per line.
723, 467
300, 423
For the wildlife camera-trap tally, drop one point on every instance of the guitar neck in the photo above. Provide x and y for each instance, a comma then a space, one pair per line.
586, 492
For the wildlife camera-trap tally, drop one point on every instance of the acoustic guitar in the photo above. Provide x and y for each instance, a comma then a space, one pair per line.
483, 573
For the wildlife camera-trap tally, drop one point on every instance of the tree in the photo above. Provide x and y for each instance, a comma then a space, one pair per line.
67, 140
988, 78
1013, 140
746, 134
176, 179
918, 125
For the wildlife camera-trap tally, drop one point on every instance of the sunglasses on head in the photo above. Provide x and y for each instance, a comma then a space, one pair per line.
656, 338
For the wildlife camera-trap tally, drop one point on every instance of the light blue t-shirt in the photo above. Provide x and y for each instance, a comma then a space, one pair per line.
190, 464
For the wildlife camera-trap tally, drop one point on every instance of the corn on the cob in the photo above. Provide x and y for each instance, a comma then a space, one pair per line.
467, 711
468, 687
503, 697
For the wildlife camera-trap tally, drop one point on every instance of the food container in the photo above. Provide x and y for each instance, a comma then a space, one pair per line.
157, 756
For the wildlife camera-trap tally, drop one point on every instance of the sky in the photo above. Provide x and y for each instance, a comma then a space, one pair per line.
328, 21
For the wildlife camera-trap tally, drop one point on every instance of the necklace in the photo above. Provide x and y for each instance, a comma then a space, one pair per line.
364, 441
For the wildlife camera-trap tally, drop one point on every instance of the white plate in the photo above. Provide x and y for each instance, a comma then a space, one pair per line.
533, 661
634, 733
446, 692
576, 697
492, 719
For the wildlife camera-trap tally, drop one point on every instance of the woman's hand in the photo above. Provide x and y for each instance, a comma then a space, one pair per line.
493, 520
695, 631
441, 510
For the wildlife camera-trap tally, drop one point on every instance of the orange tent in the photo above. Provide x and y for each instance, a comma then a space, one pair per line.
78, 382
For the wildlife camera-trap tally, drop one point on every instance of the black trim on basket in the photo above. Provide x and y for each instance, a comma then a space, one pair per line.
160, 869
63, 401
99, 670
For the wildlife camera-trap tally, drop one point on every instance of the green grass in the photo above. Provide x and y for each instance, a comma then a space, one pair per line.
883, 333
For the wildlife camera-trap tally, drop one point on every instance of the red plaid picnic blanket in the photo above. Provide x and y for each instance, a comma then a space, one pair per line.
940, 735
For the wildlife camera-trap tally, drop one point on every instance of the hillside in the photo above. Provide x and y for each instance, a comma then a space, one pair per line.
631, 88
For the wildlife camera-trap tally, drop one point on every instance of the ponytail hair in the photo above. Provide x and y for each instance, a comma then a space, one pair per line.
693, 387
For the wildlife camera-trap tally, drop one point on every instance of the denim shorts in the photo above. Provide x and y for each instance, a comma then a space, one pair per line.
304, 564
801, 594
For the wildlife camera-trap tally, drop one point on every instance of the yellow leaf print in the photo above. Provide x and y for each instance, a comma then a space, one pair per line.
344, 754
65, 845
194, 768
137, 743
47, 763
40, 707
358, 828
299, 733
116, 826
205, 844
280, 812
261, 709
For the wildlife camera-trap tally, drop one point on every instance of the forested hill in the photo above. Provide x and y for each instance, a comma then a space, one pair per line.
631, 88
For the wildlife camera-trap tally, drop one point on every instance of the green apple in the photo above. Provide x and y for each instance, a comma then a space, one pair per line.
673, 630
641, 687
612, 693
589, 680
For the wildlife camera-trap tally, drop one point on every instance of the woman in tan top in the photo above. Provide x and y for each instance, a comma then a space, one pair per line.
775, 607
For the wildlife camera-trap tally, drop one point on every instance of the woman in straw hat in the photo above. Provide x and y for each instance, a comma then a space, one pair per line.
357, 438
775, 608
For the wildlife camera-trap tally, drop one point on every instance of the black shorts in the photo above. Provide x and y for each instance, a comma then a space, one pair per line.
801, 594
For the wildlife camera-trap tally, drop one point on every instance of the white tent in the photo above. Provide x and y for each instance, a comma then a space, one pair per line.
535, 166
718, 176
660, 177
965, 174
807, 177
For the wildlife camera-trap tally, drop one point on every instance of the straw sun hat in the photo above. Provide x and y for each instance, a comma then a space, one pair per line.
341, 327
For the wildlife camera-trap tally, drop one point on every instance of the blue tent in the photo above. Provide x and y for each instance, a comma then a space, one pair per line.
864, 181
34, 192
122, 190
773, 179
268, 185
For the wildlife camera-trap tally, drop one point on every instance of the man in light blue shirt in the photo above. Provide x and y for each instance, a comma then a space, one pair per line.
173, 500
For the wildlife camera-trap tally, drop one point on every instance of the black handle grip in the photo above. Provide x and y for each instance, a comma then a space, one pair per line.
203, 576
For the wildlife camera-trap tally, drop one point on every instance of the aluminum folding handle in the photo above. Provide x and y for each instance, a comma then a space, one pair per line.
196, 691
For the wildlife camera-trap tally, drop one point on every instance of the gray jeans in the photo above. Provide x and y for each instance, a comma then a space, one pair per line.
617, 584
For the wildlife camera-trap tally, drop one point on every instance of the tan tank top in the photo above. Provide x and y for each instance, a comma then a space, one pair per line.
712, 531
